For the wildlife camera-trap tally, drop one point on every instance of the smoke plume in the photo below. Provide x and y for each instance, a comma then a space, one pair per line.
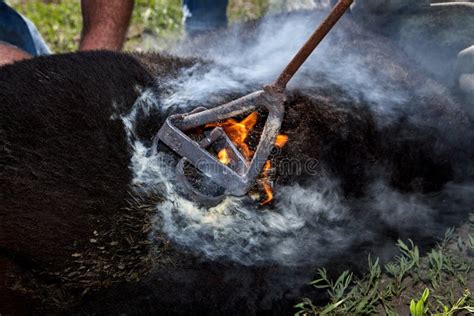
307, 224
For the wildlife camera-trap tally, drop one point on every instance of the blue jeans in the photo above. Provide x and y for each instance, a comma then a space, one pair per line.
19, 31
201, 16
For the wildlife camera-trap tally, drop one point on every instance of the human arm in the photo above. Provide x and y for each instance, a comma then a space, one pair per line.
10, 54
105, 23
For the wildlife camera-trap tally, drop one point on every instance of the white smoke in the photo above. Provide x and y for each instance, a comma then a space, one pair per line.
296, 231
292, 233
275, 6
306, 224
245, 64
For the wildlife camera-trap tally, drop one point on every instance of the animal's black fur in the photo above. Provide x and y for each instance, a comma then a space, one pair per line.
52, 139
65, 158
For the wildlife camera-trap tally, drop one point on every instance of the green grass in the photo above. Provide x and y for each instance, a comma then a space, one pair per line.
59, 23
435, 284
155, 25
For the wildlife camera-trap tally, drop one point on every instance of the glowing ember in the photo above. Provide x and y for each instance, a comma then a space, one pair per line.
281, 140
223, 156
238, 133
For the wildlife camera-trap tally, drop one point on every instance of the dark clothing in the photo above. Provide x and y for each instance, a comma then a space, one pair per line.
201, 16
18, 31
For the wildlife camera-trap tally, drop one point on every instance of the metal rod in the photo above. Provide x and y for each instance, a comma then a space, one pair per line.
234, 108
238, 179
336, 13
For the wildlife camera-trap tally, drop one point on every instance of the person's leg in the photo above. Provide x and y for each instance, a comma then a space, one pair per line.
202, 16
20, 32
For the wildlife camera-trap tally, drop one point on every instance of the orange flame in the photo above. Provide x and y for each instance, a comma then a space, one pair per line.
238, 132
267, 188
281, 140
223, 156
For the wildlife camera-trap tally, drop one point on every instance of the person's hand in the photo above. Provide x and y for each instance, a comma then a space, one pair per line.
105, 23
10, 54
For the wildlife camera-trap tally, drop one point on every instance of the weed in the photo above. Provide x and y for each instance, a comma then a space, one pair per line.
420, 308
442, 273
336, 289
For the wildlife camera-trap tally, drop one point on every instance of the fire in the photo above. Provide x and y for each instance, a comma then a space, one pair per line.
238, 133
281, 140
267, 188
223, 156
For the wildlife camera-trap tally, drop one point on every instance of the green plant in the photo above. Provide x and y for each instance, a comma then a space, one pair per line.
244, 10
59, 23
436, 262
458, 306
410, 252
403, 264
443, 273
336, 289
420, 308
471, 242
